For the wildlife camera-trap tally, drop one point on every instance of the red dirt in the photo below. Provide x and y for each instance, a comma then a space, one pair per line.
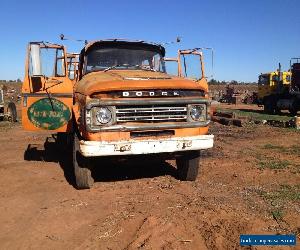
140, 204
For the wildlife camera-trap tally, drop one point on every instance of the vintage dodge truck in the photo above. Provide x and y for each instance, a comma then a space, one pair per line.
122, 103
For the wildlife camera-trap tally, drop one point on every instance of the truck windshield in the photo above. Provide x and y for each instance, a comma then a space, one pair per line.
103, 59
263, 79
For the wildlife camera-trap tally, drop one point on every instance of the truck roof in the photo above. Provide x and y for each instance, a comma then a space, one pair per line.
274, 73
115, 42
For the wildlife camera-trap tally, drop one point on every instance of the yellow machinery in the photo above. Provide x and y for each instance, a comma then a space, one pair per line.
268, 82
276, 91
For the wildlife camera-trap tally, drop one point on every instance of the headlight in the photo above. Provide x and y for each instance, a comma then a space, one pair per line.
97, 116
103, 115
197, 112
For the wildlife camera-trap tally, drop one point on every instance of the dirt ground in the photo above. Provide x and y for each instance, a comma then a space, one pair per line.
249, 183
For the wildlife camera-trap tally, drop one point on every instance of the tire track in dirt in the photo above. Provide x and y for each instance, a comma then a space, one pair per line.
135, 205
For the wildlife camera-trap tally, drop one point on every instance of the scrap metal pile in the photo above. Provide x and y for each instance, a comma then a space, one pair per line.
233, 96
8, 110
232, 118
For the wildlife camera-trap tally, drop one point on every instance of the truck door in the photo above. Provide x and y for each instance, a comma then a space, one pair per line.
47, 92
189, 63
264, 85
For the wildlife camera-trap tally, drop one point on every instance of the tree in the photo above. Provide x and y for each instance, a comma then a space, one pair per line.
213, 81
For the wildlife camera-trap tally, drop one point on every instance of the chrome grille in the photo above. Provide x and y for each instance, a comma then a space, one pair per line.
151, 113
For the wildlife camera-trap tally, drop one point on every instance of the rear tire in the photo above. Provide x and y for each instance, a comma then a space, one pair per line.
188, 166
270, 105
294, 108
82, 168
293, 112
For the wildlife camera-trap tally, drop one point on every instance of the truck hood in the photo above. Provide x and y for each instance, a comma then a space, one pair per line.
112, 80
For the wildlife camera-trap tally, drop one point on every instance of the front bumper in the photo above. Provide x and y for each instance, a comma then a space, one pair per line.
148, 146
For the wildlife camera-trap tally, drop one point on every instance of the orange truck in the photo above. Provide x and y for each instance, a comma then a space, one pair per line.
122, 103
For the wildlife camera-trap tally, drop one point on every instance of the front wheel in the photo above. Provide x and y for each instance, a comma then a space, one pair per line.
82, 168
188, 166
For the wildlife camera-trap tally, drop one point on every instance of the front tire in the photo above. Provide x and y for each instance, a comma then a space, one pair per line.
82, 168
188, 166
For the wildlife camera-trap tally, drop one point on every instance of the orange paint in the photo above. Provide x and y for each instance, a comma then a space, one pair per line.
38, 87
97, 84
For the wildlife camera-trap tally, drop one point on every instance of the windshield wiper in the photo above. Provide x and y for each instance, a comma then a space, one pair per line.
146, 68
120, 65
111, 67
130, 65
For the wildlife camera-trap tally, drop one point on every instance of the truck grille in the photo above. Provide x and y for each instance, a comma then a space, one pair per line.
151, 113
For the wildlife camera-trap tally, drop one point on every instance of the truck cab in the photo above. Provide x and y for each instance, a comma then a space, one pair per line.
268, 83
124, 103
273, 87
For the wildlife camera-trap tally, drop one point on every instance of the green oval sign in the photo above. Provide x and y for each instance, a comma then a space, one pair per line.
48, 114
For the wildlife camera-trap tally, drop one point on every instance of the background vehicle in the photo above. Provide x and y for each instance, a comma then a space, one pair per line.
8, 110
279, 90
123, 103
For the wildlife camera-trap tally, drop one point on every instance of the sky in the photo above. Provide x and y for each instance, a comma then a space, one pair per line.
248, 37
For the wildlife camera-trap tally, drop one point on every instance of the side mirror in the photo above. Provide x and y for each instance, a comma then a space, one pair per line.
35, 55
